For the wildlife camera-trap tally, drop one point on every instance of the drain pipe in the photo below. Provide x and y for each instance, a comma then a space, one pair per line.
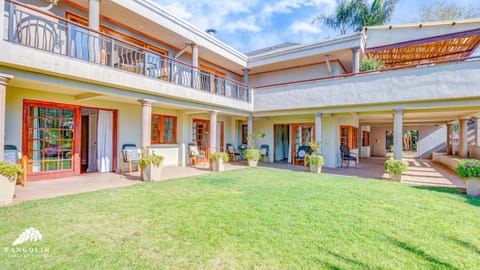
182, 51
52, 3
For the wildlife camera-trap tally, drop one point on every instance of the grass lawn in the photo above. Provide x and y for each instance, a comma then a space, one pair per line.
252, 218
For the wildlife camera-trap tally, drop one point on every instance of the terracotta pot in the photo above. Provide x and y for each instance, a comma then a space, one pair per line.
395, 177
315, 169
7, 189
218, 165
473, 186
252, 163
152, 173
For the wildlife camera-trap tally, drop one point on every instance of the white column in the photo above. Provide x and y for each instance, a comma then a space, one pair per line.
94, 14
4, 78
233, 131
2, 21
250, 125
449, 139
327, 63
194, 55
476, 131
245, 76
463, 139
398, 134
356, 60
318, 129
183, 137
213, 132
146, 121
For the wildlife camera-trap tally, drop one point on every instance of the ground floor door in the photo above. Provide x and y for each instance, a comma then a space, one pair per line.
302, 134
220, 141
56, 144
200, 130
281, 149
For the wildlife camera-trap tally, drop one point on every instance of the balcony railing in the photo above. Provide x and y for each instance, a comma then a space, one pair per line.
38, 29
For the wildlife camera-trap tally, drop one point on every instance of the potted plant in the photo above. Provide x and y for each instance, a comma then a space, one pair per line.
8, 178
150, 164
469, 170
371, 63
395, 168
217, 160
315, 160
253, 154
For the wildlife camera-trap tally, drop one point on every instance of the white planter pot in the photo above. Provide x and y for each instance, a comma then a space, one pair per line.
315, 169
473, 186
252, 163
152, 173
218, 166
394, 177
7, 189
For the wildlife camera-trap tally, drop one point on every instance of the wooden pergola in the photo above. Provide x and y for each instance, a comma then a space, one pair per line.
444, 47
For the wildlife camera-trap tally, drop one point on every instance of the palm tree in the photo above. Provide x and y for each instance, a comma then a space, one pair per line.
355, 14
343, 19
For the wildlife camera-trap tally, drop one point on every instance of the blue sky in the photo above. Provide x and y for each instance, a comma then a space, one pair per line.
248, 25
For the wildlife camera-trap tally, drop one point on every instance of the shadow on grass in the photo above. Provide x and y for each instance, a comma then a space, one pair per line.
454, 191
436, 263
349, 261
464, 244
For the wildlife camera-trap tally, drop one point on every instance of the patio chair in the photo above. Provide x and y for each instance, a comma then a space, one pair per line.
241, 149
264, 149
231, 152
195, 155
300, 156
346, 156
130, 156
11, 155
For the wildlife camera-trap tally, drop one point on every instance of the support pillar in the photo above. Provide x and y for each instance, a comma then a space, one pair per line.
398, 134
146, 121
194, 55
356, 60
463, 139
318, 129
327, 63
476, 131
94, 14
4, 78
250, 125
213, 132
449, 139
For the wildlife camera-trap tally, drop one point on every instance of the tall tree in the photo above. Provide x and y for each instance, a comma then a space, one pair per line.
441, 10
354, 14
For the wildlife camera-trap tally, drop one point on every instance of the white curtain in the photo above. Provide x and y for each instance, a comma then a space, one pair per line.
104, 141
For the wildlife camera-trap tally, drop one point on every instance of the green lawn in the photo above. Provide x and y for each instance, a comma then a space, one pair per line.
253, 218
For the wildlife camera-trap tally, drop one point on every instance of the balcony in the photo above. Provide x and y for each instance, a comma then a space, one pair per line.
40, 30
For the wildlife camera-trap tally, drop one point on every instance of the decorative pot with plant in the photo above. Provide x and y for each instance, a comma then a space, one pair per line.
217, 160
151, 165
469, 170
8, 179
395, 168
315, 160
252, 153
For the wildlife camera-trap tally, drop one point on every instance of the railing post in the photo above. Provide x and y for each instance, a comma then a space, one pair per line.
237, 91
170, 70
193, 78
112, 53
145, 57
11, 22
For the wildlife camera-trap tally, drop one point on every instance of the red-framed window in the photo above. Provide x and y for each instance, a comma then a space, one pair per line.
349, 136
164, 129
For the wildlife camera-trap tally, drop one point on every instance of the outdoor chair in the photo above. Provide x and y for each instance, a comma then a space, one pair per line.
264, 152
11, 155
130, 156
346, 156
231, 152
241, 150
196, 155
300, 156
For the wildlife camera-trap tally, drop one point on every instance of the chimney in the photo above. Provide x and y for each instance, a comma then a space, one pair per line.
211, 32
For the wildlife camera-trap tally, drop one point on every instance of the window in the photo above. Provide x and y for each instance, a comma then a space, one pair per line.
366, 138
200, 133
244, 134
164, 129
349, 136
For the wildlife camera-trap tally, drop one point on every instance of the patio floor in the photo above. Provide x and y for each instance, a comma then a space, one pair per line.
421, 172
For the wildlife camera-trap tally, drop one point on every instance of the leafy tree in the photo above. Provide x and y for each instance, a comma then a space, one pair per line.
355, 14
441, 10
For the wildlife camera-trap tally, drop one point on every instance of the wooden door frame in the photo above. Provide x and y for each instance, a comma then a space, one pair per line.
200, 120
292, 135
76, 143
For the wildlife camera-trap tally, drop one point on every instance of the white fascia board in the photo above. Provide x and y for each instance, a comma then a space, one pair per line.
156, 14
355, 40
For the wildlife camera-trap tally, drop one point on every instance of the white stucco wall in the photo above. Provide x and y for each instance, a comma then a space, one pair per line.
296, 74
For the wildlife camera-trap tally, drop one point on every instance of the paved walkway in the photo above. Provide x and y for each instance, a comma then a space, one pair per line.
421, 172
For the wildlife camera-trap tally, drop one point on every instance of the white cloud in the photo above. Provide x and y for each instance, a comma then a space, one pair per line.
248, 24
298, 27
179, 10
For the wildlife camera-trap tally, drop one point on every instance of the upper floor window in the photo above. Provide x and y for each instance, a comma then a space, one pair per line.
164, 129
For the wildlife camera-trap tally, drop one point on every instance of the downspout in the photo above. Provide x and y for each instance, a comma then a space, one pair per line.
182, 51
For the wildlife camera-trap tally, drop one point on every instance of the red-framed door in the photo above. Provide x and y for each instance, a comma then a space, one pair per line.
51, 136
302, 134
200, 133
